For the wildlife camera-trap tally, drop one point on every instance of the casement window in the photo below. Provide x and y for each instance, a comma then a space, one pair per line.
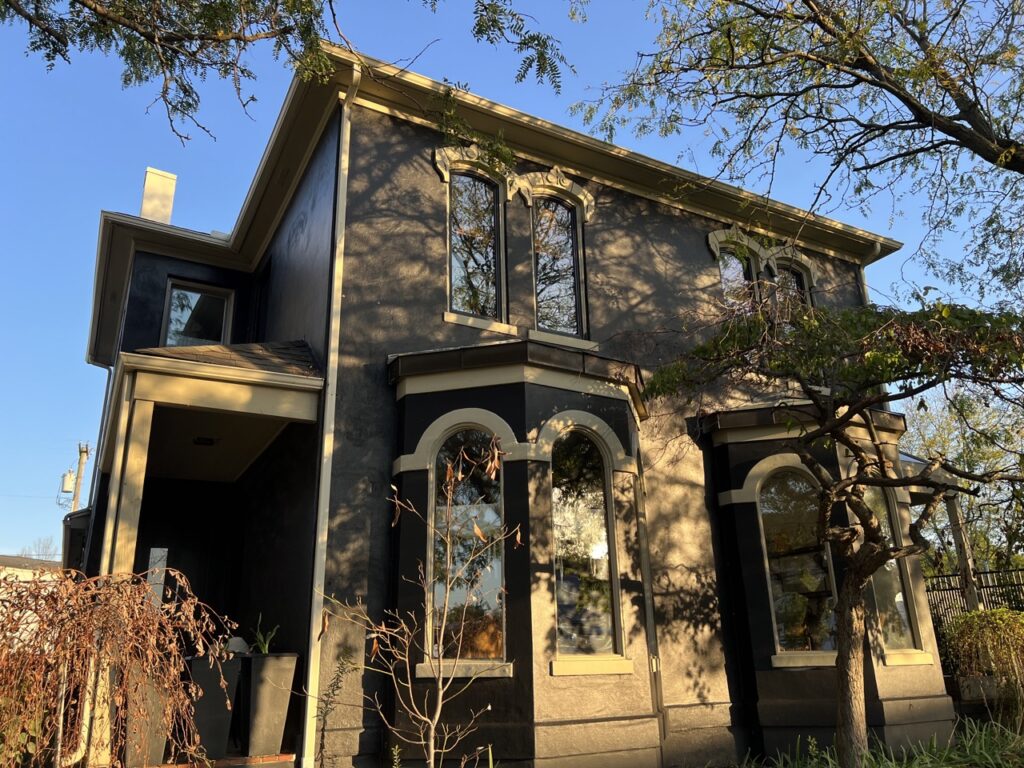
892, 611
585, 570
799, 567
467, 616
196, 314
474, 247
557, 267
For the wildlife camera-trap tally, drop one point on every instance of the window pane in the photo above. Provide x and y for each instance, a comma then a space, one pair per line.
583, 584
556, 250
736, 279
887, 582
790, 289
474, 246
798, 572
468, 568
195, 318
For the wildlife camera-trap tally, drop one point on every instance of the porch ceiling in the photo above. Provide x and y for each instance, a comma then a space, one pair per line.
188, 444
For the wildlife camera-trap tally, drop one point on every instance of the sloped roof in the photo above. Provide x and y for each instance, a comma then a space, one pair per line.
292, 357
27, 563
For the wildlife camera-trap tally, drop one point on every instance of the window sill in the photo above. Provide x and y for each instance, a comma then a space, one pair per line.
481, 323
601, 665
464, 668
791, 659
910, 657
557, 338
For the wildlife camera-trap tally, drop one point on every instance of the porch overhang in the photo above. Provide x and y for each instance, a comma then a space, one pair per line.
145, 381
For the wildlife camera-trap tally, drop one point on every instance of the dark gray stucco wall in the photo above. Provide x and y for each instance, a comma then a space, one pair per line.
648, 266
147, 296
293, 295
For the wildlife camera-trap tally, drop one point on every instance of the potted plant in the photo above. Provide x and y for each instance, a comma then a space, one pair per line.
216, 676
267, 680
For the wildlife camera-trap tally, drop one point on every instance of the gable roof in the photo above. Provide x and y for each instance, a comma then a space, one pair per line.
28, 563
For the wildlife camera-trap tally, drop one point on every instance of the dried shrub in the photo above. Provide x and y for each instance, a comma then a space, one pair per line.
990, 645
73, 649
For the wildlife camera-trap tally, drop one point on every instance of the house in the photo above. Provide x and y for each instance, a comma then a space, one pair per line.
388, 298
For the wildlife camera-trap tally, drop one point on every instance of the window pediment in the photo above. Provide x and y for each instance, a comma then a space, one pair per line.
448, 160
554, 182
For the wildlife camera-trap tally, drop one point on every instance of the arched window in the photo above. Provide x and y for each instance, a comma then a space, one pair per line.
468, 609
802, 591
737, 278
473, 246
752, 273
557, 266
887, 582
584, 548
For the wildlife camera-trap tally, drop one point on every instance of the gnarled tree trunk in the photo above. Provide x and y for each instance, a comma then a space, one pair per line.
851, 723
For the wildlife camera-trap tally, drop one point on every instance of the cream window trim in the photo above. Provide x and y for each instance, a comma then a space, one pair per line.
781, 256
464, 668
547, 337
556, 184
791, 659
449, 160
604, 436
907, 658
751, 489
481, 323
448, 424
212, 290
591, 665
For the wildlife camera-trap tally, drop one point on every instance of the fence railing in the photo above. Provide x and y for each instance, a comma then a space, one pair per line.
996, 589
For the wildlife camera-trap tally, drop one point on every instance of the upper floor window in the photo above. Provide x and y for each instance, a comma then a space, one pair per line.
587, 602
887, 583
799, 567
467, 615
195, 315
752, 274
557, 267
474, 246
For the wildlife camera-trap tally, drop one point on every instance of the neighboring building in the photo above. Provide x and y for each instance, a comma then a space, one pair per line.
25, 568
385, 300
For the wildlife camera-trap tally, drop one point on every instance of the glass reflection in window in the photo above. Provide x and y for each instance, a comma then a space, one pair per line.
798, 567
887, 582
195, 317
736, 279
583, 561
556, 263
473, 246
468, 616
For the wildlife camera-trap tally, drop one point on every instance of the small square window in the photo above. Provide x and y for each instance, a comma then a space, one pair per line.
196, 315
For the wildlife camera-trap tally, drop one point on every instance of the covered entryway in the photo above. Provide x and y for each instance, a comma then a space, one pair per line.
212, 455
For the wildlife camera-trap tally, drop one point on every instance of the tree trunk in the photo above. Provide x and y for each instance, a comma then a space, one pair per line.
851, 723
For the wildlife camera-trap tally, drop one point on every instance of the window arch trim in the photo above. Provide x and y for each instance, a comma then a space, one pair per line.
473, 161
595, 427
433, 437
554, 183
763, 259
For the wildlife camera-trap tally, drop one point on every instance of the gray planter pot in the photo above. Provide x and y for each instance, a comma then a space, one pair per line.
268, 680
213, 715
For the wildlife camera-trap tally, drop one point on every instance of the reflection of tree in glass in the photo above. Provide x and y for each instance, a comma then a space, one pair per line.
736, 279
182, 305
582, 557
555, 248
467, 567
887, 583
797, 564
473, 246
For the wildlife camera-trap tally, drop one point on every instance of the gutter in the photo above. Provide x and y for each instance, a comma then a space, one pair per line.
312, 683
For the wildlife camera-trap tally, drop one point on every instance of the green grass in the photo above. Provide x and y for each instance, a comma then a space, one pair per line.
978, 745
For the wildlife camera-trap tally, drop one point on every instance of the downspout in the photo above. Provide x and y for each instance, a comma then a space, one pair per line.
312, 683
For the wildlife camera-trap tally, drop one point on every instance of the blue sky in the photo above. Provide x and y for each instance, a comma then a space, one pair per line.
76, 144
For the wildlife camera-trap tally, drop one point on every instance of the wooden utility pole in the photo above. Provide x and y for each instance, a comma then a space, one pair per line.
83, 457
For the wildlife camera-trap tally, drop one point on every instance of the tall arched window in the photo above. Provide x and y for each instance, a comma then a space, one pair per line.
468, 609
557, 266
802, 591
584, 548
887, 582
473, 246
